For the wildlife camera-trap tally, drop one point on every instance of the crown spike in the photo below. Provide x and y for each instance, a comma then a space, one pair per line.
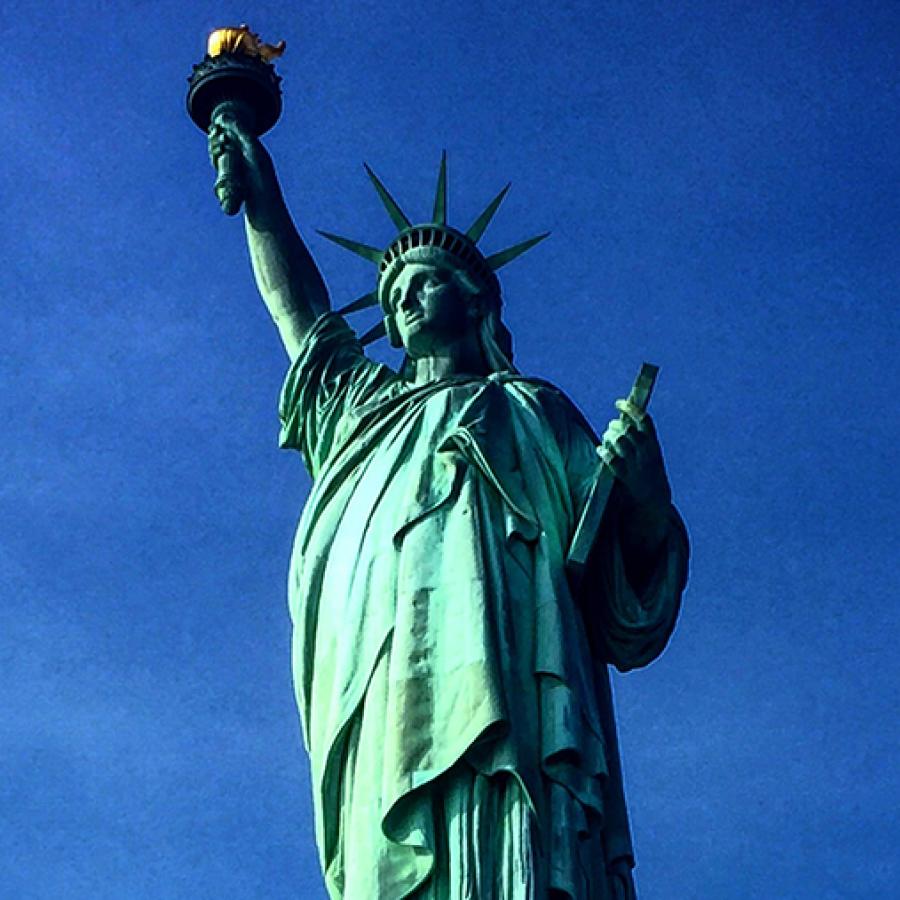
398, 217
497, 260
364, 302
439, 216
373, 254
477, 228
373, 334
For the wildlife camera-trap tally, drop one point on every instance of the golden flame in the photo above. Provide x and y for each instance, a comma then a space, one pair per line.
242, 40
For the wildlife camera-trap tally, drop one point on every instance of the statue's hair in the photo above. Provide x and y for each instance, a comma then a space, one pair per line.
493, 335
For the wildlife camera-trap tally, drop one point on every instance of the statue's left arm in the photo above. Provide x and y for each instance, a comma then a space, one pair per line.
630, 447
632, 589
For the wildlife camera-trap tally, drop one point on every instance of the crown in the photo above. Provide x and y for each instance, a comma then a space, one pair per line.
434, 241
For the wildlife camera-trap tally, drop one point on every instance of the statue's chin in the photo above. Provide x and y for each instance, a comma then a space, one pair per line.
415, 337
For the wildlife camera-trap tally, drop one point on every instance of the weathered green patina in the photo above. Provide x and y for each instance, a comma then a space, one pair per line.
452, 689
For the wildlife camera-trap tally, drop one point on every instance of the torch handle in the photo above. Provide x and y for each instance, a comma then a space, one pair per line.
229, 186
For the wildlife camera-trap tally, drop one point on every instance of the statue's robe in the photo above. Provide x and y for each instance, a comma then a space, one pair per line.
453, 695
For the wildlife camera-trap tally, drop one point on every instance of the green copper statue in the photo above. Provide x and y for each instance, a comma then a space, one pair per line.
452, 683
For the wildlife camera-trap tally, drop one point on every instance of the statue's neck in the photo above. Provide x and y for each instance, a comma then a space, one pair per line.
463, 357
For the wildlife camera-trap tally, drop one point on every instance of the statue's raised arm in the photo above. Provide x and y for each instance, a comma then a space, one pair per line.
286, 274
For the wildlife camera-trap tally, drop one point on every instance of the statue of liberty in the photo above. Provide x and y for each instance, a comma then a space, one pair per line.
451, 682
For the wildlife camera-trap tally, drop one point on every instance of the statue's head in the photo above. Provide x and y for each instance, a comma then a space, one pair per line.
444, 268
434, 284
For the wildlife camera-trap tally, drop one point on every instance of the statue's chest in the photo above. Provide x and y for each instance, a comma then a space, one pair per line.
464, 433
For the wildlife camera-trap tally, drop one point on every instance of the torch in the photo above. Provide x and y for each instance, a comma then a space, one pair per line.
236, 78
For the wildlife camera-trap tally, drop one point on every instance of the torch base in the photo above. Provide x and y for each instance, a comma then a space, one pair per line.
234, 77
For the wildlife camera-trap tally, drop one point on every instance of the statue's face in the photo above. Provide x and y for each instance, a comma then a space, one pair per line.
429, 309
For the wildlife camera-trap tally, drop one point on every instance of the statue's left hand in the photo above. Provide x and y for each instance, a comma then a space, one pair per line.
631, 449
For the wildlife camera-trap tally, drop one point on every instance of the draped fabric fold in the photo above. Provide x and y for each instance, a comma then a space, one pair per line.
443, 670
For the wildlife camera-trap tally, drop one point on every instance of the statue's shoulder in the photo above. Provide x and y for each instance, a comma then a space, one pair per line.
544, 392
557, 407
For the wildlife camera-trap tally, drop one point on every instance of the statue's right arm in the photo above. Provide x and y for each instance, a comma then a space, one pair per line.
288, 279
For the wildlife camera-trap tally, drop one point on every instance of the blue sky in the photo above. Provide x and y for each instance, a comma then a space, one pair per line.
721, 182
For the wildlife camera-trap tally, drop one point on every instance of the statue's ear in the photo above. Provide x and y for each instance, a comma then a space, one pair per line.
390, 327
